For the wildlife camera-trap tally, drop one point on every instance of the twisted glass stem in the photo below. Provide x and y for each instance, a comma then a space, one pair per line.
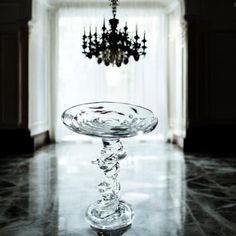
109, 189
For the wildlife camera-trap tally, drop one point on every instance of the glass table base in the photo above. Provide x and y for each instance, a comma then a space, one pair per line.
110, 121
119, 219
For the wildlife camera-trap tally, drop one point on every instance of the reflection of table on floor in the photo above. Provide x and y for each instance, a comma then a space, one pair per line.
116, 232
110, 121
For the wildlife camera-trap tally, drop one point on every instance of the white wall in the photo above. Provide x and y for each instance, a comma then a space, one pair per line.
39, 67
177, 72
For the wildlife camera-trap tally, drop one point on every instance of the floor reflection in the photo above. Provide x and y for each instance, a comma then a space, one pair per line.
151, 180
117, 232
28, 195
171, 195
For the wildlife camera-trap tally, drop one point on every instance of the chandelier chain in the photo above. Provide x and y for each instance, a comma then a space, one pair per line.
114, 4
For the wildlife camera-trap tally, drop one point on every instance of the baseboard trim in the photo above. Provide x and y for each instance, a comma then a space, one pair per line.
214, 139
20, 141
176, 140
41, 140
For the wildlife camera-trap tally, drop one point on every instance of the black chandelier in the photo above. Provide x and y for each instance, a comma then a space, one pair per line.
113, 46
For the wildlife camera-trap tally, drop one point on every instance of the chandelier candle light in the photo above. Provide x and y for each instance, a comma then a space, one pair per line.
113, 46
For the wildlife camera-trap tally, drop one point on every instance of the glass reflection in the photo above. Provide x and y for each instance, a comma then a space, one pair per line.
28, 195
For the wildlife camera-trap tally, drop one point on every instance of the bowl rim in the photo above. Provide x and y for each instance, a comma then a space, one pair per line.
151, 115
88, 103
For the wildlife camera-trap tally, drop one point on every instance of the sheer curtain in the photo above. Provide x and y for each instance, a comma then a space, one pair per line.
82, 80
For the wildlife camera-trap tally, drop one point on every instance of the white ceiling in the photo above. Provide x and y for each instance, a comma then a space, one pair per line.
160, 3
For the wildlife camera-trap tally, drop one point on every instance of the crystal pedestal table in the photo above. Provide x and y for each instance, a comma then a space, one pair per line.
110, 121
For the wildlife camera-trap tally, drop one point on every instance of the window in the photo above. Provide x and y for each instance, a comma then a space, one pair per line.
83, 80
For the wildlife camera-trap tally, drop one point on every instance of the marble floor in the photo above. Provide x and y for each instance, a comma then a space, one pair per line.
172, 194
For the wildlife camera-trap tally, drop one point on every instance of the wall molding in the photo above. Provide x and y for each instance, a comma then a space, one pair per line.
171, 7
39, 70
39, 127
47, 3
104, 4
41, 139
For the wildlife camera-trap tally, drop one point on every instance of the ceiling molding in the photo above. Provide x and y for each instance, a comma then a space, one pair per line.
47, 3
171, 7
103, 4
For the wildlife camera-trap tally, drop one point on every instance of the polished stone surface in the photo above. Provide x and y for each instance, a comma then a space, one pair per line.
172, 194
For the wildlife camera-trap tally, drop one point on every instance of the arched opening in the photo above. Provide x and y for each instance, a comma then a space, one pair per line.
157, 82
